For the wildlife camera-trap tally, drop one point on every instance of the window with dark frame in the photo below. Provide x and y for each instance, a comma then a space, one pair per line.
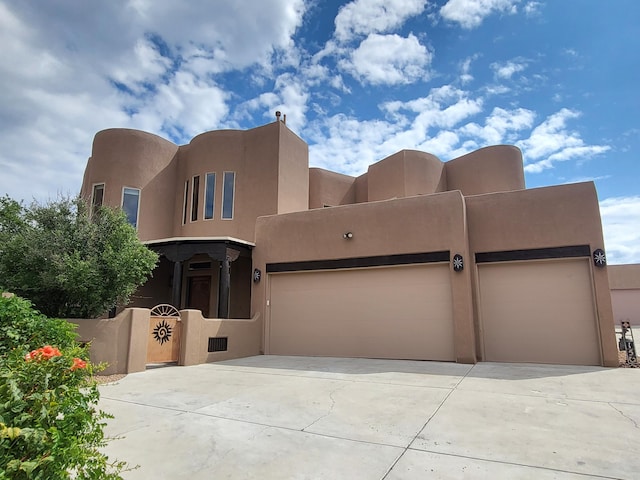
194, 198
186, 202
97, 197
228, 187
130, 204
209, 195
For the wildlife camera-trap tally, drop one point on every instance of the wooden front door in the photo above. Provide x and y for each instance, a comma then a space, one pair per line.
199, 294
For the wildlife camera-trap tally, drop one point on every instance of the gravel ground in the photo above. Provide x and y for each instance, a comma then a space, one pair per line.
109, 378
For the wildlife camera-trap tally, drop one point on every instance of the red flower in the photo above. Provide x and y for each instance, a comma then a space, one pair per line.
45, 353
77, 363
48, 352
31, 355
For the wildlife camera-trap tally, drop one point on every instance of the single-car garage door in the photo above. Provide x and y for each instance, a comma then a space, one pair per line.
538, 311
401, 312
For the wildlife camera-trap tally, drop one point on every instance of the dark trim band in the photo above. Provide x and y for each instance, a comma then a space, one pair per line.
535, 254
359, 262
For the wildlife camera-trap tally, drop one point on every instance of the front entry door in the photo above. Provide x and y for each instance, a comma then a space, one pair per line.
199, 294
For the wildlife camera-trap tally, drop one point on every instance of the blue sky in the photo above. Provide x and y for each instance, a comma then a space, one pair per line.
357, 80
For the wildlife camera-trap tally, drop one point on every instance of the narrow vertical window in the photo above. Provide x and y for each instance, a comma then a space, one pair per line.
209, 195
194, 198
228, 186
130, 204
185, 203
97, 197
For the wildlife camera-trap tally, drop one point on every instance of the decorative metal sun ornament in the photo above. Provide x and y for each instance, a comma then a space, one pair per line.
458, 262
257, 274
599, 258
162, 332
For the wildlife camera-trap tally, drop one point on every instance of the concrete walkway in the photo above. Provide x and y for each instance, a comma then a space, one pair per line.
270, 417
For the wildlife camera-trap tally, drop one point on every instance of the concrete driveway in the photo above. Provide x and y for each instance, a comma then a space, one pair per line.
270, 417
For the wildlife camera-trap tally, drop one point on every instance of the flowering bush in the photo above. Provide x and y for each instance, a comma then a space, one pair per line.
50, 426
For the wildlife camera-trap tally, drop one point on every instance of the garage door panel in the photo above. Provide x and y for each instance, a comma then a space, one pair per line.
540, 312
393, 312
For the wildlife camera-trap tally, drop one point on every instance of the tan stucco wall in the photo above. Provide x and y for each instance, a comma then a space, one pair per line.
253, 156
404, 174
624, 281
244, 337
130, 158
491, 169
293, 172
120, 342
558, 216
379, 228
624, 277
330, 189
270, 163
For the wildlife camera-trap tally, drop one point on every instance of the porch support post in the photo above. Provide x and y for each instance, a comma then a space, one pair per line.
177, 284
224, 285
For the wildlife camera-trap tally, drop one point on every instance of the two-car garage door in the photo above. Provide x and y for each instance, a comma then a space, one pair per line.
401, 312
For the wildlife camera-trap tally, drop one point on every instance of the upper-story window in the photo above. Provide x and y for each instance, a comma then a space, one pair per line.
131, 204
195, 198
185, 202
228, 187
209, 195
97, 197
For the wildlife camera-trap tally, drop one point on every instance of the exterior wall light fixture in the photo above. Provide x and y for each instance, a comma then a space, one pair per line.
599, 258
347, 236
458, 263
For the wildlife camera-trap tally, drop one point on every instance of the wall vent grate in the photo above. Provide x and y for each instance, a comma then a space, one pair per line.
217, 344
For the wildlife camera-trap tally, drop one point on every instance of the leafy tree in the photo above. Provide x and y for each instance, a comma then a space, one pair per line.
68, 263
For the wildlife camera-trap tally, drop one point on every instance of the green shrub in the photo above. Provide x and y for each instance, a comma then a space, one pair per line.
50, 426
26, 329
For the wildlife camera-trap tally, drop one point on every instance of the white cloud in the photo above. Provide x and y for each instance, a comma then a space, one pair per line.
499, 124
620, 220
470, 13
506, 70
186, 106
532, 8
143, 64
551, 142
348, 145
465, 69
62, 60
388, 59
289, 96
444, 107
362, 17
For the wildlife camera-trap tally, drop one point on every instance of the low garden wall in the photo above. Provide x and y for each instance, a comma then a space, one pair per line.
122, 342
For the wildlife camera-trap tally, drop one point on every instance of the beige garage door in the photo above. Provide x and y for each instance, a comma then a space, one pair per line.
392, 312
538, 311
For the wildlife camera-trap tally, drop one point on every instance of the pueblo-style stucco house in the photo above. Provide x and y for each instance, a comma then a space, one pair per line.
415, 259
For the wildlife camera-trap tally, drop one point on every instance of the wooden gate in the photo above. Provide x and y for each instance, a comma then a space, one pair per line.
164, 335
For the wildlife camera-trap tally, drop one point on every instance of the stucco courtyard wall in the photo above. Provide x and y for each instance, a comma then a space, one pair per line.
122, 342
